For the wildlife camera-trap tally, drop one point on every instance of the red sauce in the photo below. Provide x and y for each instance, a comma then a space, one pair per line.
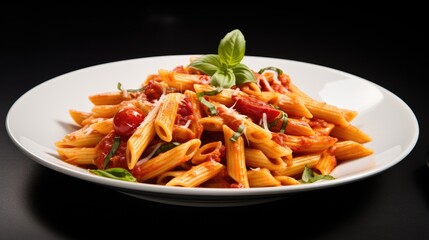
153, 90
184, 112
104, 147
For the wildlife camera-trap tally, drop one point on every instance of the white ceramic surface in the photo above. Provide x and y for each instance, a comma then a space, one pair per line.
40, 117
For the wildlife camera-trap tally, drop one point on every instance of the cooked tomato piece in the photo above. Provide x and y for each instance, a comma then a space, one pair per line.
126, 120
255, 108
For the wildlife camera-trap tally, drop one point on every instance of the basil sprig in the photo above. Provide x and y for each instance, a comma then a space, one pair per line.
308, 176
225, 68
115, 173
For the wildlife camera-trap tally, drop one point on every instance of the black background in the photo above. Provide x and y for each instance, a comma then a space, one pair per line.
386, 45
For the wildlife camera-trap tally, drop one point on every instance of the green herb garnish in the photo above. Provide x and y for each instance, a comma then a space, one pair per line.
285, 121
309, 176
225, 68
278, 70
165, 147
112, 151
119, 87
115, 173
209, 105
238, 133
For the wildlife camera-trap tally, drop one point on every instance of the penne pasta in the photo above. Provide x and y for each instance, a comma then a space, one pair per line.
78, 155
262, 178
164, 121
235, 159
197, 174
348, 150
217, 126
350, 132
255, 158
166, 161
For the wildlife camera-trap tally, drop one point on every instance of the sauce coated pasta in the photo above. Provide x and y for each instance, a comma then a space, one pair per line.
222, 126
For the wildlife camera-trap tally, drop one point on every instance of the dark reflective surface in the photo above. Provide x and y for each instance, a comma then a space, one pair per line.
381, 46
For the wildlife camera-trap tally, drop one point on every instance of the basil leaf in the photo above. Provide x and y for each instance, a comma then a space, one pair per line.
207, 64
278, 70
285, 121
165, 147
243, 74
115, 173
119, 87
308, 176
232, 48
237, 134
209, 105
223, 78
112, 151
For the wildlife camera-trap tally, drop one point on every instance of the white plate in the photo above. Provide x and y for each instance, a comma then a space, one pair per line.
40, 117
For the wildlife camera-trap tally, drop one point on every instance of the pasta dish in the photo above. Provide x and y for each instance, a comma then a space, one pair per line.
213, 123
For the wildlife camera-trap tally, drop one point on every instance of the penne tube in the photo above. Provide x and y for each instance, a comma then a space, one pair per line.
78, 155
262, 178
350, 132
253, 132
295, 127
349, 150
325, 111
298, 165
142, 136
286, 180
79, 116
166, 116
306, 144
197, 174
166, 161
212, 123
292, 106
209, 151
235, 159
83, 137
196, 127
349, 115
224, 97
272, 149
255, 158
251, 88
105, 111
327, 162
167, 176
108, 98
179, 81
104, 126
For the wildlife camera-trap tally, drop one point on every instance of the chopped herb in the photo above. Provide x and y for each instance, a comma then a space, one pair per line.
285, 121
209, 105
119, 87
112, 151
165, 147
238, 133
282, 116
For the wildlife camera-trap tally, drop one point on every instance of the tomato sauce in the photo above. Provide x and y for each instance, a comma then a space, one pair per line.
104, 147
